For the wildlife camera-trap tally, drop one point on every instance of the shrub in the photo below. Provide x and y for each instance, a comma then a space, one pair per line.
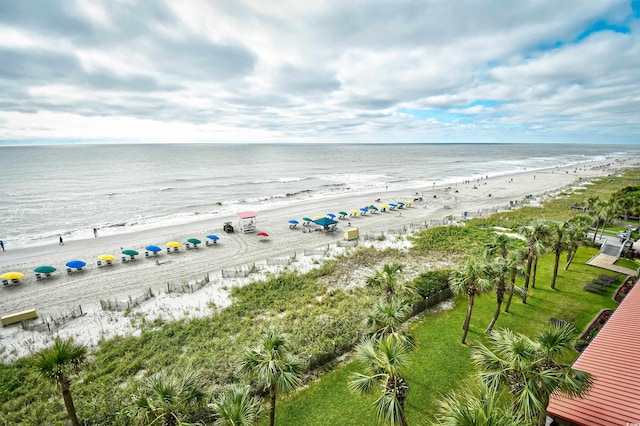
431, 282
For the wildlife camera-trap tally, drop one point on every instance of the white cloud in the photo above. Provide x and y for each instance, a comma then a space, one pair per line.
332, 70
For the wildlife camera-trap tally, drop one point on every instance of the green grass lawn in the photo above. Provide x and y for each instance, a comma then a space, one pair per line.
627, 263
440, 362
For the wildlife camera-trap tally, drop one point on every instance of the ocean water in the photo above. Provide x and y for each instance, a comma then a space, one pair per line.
70, 189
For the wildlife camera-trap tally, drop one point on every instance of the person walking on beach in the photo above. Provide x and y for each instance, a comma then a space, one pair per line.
61, 242
95, 232
2, 245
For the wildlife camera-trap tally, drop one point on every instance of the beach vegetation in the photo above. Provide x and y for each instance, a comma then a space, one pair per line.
383, 361
57, 364
272, 368
531, 369
236, 406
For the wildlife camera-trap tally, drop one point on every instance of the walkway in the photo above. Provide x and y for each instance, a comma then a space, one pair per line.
606, 261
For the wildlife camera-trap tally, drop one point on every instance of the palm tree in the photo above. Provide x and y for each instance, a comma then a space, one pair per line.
384, 360
272, 367
475, 405
499, 246
471, 280
236, 407
168, 399
387, 280
531, 369
608, 210
535, 235
57, 364
387, 317
498, 274
600, 212
559, 235
576, 235
516, 261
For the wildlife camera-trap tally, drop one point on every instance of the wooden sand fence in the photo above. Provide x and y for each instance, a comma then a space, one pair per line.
188, 287
52, 322
132, 302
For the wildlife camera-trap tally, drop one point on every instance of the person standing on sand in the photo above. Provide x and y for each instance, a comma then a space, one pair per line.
61, 242
2, 245
95, 232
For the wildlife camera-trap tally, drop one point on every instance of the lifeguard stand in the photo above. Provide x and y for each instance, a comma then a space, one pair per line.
247, 222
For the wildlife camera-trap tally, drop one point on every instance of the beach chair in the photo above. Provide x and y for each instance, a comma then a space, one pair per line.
124, 259
69, 270
146, 254
168, 250
48, 275
133, 257
99, 263
593, 288
38, 276
207, 242
109, 262
187, 245
5, 282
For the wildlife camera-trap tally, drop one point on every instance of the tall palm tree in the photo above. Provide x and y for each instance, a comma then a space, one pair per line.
475, 405
531, 369
560, 234
498, 273
608, 210
236, 407
58, 363
168, 399
516, 261
387, 317
470, 279
272, 367
387, 280
535, 235
600, 211
576, 235
384, 361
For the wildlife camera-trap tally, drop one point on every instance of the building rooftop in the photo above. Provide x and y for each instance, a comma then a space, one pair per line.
613, 358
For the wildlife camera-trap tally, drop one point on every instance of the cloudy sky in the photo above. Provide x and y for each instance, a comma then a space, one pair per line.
325, 70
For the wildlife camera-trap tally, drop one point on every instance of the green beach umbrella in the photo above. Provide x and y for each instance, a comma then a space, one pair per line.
46, 269
130, 252
194, 241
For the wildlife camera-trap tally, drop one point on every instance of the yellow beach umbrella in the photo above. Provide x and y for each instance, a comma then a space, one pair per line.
318, 217
12, 276
354, 211
384, 206
106, 257
173, 244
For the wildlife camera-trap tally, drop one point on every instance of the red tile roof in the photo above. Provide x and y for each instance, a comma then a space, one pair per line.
613, 358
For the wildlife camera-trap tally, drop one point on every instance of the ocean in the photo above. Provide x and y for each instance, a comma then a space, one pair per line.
68, 190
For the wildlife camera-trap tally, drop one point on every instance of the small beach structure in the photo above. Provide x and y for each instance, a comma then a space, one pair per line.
44, 269
153, 249
193, 241
212, 239
247, 222
173, 245
75, 264
328, 225
107, 258
293, 223
11, 278
131, 253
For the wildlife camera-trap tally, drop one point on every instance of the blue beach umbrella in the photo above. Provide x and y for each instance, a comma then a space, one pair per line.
331, 215
154, 249
364, 209
213, 237
294, 222
76, 264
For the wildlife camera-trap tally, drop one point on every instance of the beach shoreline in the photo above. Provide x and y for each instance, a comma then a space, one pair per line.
124, 280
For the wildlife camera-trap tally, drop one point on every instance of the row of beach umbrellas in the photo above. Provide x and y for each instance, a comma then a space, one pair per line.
79, 264
343, 214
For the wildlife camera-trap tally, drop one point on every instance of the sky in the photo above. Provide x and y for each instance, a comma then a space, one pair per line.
427, 71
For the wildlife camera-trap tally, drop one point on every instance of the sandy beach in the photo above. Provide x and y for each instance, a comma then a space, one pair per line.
63, 291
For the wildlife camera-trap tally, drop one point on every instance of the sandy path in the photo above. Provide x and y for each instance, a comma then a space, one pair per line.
121, 280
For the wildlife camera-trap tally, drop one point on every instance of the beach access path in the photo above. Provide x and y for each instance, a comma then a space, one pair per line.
86, 288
